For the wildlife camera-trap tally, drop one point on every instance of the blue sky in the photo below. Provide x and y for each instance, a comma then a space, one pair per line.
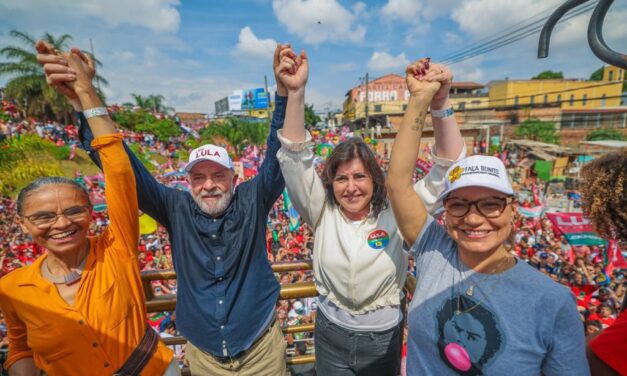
195, 52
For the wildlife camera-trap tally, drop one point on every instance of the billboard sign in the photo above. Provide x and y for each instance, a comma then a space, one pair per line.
235, 100
254, 99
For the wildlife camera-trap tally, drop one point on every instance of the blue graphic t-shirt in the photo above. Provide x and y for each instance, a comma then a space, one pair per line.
519, 322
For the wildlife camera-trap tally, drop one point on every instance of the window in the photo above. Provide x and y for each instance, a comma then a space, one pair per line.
546, 99
404, 107
532, 100
516, 100
603, 100
377, 108
611, 77
559, 98
461, 105
584, 99
572, 99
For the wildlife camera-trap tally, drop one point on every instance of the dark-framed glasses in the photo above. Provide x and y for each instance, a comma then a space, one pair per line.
46, 219
489, 207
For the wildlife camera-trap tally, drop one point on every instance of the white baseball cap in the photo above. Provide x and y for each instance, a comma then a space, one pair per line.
477, 171
209, 152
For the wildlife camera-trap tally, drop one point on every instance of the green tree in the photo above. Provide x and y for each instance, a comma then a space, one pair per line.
237, 132
152, 102
311, 118
604, 134
536, 130
597, 75
548, 75
26, 80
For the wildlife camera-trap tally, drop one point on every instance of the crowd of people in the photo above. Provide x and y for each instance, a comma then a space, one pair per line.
597, 283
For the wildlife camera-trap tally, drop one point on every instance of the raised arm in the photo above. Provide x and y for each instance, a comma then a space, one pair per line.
296, 158
270, 176
151, 194
409, 210
120, 182
449, 144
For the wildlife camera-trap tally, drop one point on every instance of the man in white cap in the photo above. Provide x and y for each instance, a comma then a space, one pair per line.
476, 310
226, 288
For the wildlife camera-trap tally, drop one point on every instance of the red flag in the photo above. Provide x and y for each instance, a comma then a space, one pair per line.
614, 257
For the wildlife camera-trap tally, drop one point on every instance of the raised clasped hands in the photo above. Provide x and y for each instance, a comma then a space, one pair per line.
430, 79
293, 70
63, 69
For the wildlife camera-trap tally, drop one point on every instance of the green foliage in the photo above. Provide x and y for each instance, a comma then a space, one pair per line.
605, 134
597, 75
3, 116
142, 121
236, 132
143, 158
163, 129
61, 153
23, 159
549, 75
152, 102
132, 119
26, 82
311, 118
536, 130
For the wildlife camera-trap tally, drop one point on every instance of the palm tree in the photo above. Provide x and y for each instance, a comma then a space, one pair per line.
27, 82
152, 102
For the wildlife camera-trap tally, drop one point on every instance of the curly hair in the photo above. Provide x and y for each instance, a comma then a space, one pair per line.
604, 195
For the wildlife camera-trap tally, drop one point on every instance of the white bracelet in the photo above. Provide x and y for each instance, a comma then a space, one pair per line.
96, 111
442, 113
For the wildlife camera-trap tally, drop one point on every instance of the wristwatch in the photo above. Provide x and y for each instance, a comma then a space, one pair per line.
96, 111
442, 113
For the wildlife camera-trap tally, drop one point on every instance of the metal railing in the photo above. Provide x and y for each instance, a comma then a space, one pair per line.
288, 291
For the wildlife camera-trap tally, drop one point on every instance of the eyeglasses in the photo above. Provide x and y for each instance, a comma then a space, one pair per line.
47, 219
490, 207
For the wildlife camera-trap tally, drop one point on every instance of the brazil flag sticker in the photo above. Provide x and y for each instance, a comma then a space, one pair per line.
378, 239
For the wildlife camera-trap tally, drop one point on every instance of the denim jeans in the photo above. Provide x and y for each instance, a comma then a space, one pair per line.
343, 352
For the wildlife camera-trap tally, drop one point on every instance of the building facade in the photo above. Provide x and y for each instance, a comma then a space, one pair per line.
567, 94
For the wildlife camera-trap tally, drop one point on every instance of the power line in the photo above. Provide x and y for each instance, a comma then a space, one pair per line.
492, 38
499, 42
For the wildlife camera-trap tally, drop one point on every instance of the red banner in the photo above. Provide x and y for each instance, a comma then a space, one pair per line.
577, 229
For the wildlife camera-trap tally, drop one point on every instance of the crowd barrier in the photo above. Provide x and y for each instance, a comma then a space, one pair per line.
167, 302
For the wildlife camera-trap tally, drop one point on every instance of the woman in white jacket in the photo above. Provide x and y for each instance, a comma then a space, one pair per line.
359, 262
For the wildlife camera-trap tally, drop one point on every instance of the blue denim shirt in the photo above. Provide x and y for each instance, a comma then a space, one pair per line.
226, 288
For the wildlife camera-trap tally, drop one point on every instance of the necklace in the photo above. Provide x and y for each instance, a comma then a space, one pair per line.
470, 289
68, 279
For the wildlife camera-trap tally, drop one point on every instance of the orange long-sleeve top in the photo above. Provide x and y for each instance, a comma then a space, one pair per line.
97, 334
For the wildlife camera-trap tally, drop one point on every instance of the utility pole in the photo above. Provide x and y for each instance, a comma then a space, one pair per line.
268, 96
367, 117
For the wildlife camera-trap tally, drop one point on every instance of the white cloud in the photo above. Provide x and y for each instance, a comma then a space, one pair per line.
318, 21
404, 10
156, 15
451, 38
125, 56
485, 17
249, 44
384, 62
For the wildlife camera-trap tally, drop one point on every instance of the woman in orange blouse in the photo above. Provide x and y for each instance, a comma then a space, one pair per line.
79, 309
